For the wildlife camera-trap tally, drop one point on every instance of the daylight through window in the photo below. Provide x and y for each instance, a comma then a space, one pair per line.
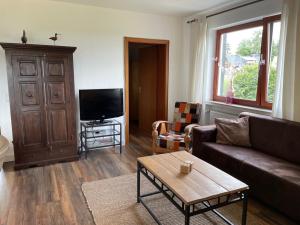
246, 63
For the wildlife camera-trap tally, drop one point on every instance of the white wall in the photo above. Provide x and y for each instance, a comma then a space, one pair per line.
97, 33
231, 18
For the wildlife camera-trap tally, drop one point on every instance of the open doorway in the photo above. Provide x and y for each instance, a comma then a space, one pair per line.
146, 84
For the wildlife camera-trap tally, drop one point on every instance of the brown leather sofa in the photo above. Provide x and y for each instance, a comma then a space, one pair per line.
271, 167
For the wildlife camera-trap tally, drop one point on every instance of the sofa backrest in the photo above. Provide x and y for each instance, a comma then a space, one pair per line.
277, 137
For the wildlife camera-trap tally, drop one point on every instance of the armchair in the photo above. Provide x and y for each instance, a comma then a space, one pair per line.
174, 136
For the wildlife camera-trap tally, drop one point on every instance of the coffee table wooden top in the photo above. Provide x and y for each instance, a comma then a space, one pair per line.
204, 182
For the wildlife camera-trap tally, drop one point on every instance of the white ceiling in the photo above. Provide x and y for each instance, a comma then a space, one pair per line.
164, 7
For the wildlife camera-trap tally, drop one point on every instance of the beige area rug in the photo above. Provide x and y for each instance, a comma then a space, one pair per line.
113, 202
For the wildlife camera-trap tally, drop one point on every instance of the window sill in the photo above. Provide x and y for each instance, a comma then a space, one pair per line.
234, 109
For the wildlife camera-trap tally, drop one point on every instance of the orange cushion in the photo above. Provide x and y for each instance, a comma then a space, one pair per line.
176, 145
182, 107
188, 118
177, 126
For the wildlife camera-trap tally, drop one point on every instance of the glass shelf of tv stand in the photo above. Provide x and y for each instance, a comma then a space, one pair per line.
95, 135
96, 144
93, 124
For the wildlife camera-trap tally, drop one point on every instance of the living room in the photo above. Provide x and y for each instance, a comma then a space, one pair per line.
149, 112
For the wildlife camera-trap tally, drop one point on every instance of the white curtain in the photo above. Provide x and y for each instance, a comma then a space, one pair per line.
198, 67
287, 94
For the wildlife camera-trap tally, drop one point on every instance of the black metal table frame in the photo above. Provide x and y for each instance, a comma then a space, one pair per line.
188, 210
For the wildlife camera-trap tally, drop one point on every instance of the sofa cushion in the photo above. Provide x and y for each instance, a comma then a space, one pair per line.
273, 165
266, 134
291, 148
226, 157
267, 176
233, 131
274, 181
276, 137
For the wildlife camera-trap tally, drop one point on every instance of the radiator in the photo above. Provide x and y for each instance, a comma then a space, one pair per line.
215, 114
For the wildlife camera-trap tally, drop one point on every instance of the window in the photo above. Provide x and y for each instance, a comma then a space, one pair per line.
246, 63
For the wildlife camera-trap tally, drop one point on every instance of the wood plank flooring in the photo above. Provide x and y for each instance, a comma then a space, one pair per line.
51, 195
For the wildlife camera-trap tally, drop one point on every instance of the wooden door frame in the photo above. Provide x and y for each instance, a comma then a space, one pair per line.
127, 41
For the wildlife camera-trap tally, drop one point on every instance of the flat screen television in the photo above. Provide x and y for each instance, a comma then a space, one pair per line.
100, 104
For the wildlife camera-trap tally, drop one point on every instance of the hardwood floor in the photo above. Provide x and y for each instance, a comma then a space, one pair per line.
51, 195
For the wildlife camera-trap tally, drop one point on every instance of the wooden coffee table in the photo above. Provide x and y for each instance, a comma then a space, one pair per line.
204, 189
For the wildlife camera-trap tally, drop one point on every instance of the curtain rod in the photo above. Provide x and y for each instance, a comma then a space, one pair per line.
227, 10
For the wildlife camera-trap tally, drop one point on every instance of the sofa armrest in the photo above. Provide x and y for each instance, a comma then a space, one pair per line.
203, 134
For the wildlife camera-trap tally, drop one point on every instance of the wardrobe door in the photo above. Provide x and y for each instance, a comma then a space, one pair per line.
58, 81
28, 111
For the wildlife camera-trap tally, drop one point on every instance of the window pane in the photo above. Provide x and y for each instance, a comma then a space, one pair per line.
239, 63
274, 31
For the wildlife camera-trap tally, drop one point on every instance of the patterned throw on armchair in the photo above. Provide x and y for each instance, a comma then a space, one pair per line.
175, 136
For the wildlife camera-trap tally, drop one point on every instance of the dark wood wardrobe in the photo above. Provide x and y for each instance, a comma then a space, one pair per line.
42, 103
